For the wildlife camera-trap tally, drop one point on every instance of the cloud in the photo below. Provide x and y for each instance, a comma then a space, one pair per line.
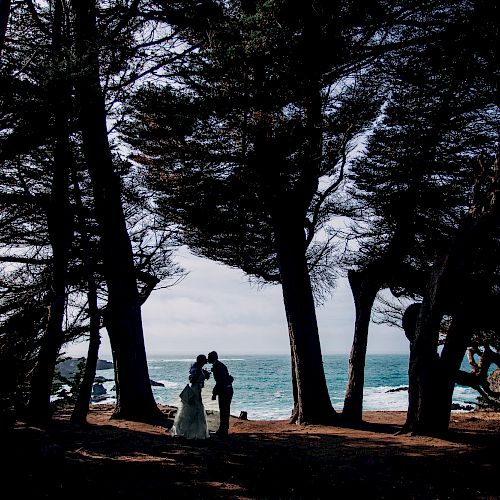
215, 307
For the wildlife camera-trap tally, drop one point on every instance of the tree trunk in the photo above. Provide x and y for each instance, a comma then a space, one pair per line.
453, 353
423, 367
477, 378
364, 290
431, 378
313, 401
81, 408
59, 225
4, 21
458, 276
123, 320
410, 319
295, 411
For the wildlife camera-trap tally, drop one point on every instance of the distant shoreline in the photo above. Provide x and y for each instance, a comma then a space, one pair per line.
108, 356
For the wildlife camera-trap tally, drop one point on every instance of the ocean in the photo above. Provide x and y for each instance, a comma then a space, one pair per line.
262, 384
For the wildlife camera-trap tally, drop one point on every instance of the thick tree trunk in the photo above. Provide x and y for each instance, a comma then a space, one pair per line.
364, 290
410, 319
123, 314
60, 234
431, 378
4, 21
313, 401
453, 353
423, 367
460, 278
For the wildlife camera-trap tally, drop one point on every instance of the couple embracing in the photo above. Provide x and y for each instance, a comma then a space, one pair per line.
191, 419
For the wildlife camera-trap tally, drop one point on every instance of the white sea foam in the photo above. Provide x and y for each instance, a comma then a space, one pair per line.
169, 384
176, 360
376, 398
187, 360
262, 385
263, 413
385, 398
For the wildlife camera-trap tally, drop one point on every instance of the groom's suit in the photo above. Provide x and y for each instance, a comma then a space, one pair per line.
224, 390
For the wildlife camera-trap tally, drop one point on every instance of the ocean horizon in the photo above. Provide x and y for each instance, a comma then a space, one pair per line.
262, 383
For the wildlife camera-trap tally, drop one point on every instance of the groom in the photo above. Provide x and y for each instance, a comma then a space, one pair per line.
224, 389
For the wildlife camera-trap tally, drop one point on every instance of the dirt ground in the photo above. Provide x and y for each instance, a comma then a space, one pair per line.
117, 459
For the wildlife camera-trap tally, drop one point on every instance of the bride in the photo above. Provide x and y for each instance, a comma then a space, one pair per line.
191, 419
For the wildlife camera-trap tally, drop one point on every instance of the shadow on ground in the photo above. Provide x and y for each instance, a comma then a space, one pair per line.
109, 462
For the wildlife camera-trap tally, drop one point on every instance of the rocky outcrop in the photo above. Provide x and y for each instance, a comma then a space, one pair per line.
457, 406
156, 384
98, 390
69, 366
398, 389
104, 365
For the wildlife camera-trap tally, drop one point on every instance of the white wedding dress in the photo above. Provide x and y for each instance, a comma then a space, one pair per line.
191, 419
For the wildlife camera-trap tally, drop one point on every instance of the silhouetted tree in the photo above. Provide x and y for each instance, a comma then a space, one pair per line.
412, 185
37, 100
255, 119
4, 20
462, 282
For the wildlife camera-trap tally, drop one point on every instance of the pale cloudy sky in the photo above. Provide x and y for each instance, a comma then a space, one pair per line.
215, 308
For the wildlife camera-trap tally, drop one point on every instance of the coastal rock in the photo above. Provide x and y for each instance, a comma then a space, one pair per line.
100, 380
398, 389
243, 415
457, 406
102, 364
156, 384
98, 390
68, 367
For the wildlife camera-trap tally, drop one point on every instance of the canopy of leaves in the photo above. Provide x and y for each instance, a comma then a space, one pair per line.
414, 182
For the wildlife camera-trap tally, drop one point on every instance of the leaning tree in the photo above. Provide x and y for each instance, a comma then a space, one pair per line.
463, 280
413, 182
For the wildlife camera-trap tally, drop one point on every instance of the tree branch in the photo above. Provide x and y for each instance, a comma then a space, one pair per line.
38, 21
24, 260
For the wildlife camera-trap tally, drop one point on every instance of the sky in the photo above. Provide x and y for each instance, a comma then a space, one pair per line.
216, 308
